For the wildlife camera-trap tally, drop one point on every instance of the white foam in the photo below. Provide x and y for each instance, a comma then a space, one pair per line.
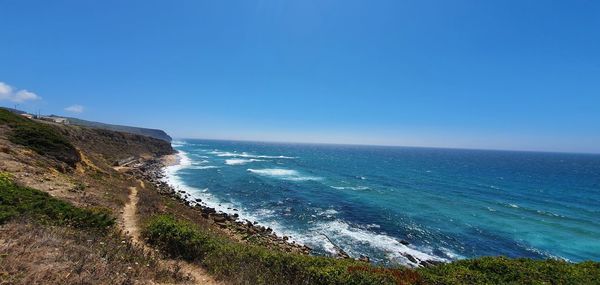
351, 238
449, 253
198, 155
182, 161
266, 213
201, 162
239, 161
202, 167
178, 143
373, 226
350, 187
284, 174
247, 155
328, 212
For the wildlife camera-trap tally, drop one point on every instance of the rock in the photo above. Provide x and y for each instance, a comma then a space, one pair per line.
364, 258
219, 219
404, 242
430, 263
410, 257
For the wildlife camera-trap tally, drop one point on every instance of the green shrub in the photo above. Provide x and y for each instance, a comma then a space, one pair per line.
247, 264
502, 270
16, 201
41, 138
8, 117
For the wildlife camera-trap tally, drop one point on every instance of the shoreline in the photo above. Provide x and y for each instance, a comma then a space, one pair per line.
170, 160
231, 224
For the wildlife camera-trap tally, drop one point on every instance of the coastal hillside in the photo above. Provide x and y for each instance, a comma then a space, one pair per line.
60, 204
82, 205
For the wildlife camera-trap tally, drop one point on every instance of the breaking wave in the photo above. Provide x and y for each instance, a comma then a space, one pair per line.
285, 174
247, 155
240, 161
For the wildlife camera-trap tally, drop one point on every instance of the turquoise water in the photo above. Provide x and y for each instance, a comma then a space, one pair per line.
447, 204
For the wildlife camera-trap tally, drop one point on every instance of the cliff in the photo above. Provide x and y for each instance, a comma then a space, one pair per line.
154, 133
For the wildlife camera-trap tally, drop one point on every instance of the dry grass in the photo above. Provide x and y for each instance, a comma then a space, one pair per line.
34, 254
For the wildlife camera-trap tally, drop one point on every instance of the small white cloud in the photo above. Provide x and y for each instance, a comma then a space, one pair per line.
5, 89
21, 96
24, 95
77, 109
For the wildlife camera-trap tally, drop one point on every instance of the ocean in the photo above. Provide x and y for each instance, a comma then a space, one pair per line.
383, 202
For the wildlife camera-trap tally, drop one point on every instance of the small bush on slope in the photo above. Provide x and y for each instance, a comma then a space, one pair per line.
18, 201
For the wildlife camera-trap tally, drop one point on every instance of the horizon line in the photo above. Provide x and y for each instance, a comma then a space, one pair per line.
385, 145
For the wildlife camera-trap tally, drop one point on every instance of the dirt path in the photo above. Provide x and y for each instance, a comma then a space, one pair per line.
130, 226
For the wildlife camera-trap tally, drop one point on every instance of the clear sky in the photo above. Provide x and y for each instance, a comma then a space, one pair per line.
476, 74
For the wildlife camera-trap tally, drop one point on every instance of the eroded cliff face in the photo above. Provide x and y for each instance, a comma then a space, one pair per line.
114, 146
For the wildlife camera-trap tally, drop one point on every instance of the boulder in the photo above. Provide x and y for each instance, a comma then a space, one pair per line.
410, 257
219, 219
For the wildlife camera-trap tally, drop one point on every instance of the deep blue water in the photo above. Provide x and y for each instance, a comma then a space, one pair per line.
446, 203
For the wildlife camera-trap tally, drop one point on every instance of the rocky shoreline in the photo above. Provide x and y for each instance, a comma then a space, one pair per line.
152, 170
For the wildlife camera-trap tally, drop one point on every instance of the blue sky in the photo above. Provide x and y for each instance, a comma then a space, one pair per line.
473, 74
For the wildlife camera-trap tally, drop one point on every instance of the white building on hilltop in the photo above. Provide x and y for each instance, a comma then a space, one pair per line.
58, 120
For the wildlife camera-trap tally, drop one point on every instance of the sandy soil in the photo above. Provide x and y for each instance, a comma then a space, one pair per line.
170, 159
